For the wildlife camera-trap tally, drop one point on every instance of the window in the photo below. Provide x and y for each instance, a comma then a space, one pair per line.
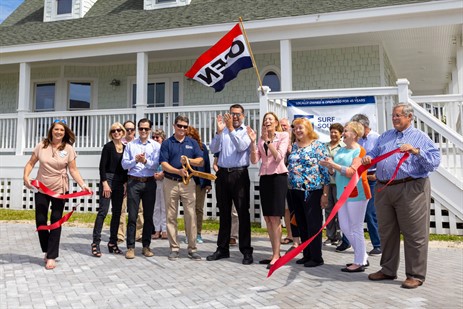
160, 93
162, 4
45, 97
272, 80
63, 7
165, 1
80, 95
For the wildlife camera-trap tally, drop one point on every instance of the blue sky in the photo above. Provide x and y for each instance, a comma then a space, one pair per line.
7, 7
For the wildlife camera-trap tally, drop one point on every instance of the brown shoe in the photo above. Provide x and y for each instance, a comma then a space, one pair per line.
147, 252
130, 254
232, 242
411, 283
380, 276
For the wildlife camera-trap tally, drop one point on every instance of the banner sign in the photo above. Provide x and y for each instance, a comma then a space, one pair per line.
324, 112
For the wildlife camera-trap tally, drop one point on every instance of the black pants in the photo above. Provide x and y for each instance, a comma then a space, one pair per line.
117, 195
309, 219
234, 188
49, 240
146, 192
293, 227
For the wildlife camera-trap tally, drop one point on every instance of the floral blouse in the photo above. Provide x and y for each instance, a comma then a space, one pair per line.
305, 171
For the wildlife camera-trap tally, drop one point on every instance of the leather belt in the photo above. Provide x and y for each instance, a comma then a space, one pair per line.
233, 169
397, 181
179, 179
142, 179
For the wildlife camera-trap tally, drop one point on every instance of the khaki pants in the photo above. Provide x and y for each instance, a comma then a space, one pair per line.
121, 233
173, 192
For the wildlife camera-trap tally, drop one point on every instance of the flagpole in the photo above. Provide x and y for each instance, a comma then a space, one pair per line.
252, 56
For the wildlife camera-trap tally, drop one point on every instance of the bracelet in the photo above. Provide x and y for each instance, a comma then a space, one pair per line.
343, 170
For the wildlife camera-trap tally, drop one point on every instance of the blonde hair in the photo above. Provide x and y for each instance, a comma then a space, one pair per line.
116, 125
357, 127
278, 128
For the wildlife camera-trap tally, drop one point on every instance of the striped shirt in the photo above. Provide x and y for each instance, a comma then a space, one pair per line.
416, 166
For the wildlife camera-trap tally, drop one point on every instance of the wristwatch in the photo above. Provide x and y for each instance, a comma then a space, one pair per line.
268, 142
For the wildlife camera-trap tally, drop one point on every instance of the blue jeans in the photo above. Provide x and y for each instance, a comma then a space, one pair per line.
370, 219
146, 192
116, 183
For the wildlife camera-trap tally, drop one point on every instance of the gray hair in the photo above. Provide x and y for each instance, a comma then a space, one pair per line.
362, 118
407, 108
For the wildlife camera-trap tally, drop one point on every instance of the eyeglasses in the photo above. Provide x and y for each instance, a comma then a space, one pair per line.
144, 129
116, 130
236, 114
60, 120
130, 129
155, 137
181, 126
397, 115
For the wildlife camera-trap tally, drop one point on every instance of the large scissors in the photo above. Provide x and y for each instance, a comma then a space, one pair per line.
191, 172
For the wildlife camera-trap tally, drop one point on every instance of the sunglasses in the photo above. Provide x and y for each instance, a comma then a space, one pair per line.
181, 126
60, 120
116, 130
144, 129
130, 129
235, 114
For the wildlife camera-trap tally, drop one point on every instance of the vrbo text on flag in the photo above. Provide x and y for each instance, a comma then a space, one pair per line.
222, 62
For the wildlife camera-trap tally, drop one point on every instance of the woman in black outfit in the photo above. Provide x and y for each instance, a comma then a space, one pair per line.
113, 179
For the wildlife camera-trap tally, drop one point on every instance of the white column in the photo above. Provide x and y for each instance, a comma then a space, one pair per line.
460, 69
142, 85
286, 65
24, 90
402, 89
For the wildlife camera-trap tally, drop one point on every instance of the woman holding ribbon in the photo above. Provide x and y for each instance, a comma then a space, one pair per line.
273, 183
56, 156
309, 187
113, 180
351, 215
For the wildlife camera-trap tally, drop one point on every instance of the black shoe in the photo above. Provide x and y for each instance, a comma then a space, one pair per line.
375, 252
356, 270
266, 261
365, 265
218, 255
303, 260
342, 247
247, 259
312, 263
269, 266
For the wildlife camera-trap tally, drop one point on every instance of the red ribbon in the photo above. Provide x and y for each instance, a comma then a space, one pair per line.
342, 199
37, 184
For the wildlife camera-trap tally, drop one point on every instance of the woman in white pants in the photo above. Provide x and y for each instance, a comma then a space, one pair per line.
159, 213
352, 213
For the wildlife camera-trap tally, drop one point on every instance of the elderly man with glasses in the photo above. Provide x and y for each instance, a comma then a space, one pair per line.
141, 159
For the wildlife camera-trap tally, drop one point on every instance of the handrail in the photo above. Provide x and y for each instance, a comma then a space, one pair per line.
437, 125
332, 93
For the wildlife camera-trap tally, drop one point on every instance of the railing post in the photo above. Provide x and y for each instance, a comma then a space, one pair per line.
142, 85
263, 100
402, 89
23, 105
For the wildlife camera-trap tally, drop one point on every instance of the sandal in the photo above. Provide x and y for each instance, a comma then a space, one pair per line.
156, 235
286, 241
96, 250
114, 249
50, 264
164, 235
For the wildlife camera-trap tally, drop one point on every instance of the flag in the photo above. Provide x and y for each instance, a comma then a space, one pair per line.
222, 62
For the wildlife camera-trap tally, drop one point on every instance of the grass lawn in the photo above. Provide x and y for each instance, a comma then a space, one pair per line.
87, 220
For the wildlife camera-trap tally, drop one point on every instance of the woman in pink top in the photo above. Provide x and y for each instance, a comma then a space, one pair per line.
56, 155
273, 183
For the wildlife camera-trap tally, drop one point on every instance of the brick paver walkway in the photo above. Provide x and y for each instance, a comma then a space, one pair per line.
82, 281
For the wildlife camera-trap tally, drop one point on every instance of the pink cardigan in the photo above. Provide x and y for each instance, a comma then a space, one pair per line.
270, 165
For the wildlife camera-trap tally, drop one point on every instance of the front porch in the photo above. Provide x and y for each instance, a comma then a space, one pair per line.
439, 116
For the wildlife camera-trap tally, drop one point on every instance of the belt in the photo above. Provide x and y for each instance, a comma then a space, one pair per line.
371, 172
141, 179
172, 177
396, 182
232, 169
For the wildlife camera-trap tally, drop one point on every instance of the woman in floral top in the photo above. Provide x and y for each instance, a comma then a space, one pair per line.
309, 185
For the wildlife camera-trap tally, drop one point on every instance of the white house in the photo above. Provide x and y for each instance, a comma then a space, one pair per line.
93, 62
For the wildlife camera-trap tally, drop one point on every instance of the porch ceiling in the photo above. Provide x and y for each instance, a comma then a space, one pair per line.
425, 56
